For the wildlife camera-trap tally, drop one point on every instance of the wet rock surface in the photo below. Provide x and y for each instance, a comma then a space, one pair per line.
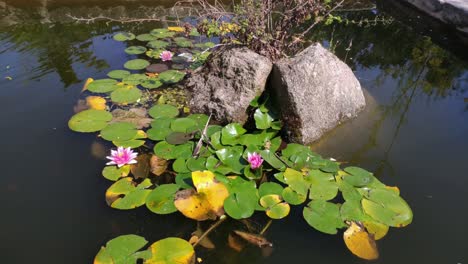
315, 92
227, 83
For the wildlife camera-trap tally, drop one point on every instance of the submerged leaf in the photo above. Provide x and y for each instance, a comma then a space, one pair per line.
158, 165
254, 239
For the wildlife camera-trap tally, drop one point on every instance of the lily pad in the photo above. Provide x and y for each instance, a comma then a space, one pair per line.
89, 120
135, 50
231, 133
387, 207
262, 120
151, 83
134, 79
293, 197
145, 37
123, 249
184, 125
163, 110
137, 64
183, 42
157, 68
358, 177
172, 250
125, 195
171, 76
270, 188
161, 199
323, 216
124, 36
158, 44
114, 173
119, 131
103, 86
118, 74
126, 95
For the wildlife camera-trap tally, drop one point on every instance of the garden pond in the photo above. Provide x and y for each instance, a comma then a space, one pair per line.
412, 134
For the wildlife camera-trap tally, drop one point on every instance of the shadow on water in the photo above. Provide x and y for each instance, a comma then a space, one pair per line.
412, 134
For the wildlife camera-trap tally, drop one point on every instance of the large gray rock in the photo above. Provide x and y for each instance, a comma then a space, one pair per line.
453, 12
227, 83
315, 92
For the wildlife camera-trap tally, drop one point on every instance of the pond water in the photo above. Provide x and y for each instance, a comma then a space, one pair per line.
413, 134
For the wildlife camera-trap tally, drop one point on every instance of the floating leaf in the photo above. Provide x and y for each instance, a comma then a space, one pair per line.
124, 36
122, 249
151, 83
135, 50
145, 37
184, 125
376, 229
387, 207
171, 76
176, 29
293, 197
134, 79
157, 68
194, 32
193, 205
158, 44
360, 243
155, 54
232, 157
196, 164
96, 102
89, 120
243, 199
124, 195
119, 131
323, 216
231, 133
85, 86
214, 192
118, 74
103, 86
183, 42
270, 188
126, 95
136, 116
165, 150
162, 33
132, 143
161, 199
114, 173
180, 165
171, 250
141, 169
358, 177
323, 190
184, 180
262, 120
296, 181
163, 110
137, 64
158, 165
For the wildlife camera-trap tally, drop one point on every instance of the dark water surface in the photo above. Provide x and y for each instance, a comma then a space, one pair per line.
413, 134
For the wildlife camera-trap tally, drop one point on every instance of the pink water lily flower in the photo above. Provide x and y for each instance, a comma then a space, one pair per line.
255, 160
122, 156
166, 55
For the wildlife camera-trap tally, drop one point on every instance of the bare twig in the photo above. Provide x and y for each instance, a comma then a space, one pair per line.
215, 225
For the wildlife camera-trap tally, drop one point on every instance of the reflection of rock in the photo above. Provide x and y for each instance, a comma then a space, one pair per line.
453, 12
352, 136
315, 92
228, 82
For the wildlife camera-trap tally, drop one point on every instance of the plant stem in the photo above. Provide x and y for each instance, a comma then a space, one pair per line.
266, 227
220, 221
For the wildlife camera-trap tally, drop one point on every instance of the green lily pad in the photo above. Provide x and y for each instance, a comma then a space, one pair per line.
183, 42
296, 181
231, 133
232, 157
163, 110
198, 164
134, 79
270, 188
123, 249
184, 180
201, 120
323, 216
323, 190
172, 250
171, 76
387, 207
114, 173
278, 211
262, 120
124, 36
240, 205
180, 166
184, 125
103, 86
125, 195
165, 150
293, 197
352, 211
119, 131
145, 37
161, 199
194, 32
177, 138
358, 177
135, 50
132, 143
118, 74
126, 95
158, 44
155, 54
137, 64
89, 120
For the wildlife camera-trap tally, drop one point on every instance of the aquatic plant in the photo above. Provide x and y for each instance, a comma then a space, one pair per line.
209, 172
